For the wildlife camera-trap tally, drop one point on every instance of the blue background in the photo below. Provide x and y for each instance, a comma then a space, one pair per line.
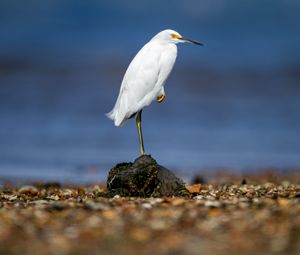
233, 104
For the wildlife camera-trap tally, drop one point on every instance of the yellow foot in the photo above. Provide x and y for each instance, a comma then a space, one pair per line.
160, 98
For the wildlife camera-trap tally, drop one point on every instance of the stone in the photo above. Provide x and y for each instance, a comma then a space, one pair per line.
28, 190
144, 178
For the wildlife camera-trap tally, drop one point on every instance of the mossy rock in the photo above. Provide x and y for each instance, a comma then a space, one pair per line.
144, 178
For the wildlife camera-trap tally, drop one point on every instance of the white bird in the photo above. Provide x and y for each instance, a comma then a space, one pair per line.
145, 77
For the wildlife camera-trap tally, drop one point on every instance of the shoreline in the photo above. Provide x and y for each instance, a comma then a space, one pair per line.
256, 214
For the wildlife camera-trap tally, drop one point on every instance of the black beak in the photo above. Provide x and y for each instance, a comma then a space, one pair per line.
191, 41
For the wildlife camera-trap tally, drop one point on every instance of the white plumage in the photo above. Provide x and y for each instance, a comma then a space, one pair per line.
145, 77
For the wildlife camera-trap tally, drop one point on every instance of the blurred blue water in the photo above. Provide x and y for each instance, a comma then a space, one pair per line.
231, 104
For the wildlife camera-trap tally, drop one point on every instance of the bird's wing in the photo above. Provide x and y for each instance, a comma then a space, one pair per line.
142, 73
164, 64
142, 81
148, 72
139, 80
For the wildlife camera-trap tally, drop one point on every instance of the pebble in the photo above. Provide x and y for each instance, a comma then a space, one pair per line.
210, 203
95, 205
253, 218
9, 197
147, 205
53, 197
194, 188
28, 190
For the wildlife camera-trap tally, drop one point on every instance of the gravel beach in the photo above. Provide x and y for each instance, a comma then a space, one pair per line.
228, 214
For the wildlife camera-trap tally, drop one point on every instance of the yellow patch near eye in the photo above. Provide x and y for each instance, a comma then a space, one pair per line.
176, 36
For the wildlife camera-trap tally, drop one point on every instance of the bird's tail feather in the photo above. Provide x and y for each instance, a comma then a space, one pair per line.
116, 117
111, 115
119, 114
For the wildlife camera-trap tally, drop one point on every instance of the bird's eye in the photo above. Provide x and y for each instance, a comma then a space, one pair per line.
176, 36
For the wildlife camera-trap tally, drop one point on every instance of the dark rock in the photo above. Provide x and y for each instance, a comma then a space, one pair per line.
144, 178
198, 179
29, 190
297, 195
57, 206
47, 185
244, 182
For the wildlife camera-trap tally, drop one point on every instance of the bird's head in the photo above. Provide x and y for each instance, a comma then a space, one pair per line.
171, 36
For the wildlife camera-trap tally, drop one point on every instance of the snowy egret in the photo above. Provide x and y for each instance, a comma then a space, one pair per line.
145, 77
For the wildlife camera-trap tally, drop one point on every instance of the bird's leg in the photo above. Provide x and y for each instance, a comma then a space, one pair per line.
160, 98
139, 127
